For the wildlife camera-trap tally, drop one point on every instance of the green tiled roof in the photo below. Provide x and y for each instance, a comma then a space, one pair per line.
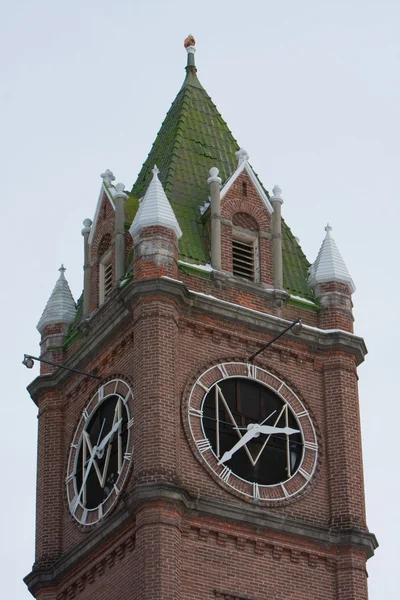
192, 139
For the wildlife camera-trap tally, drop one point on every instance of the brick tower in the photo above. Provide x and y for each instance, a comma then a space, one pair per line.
183, 468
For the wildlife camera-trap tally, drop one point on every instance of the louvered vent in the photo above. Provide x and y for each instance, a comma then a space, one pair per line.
243, 259
107, 279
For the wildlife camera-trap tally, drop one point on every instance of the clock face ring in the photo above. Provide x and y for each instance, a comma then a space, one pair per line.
252, 431
100, 453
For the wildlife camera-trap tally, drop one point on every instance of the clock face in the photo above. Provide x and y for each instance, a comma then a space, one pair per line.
101, 453
252, 431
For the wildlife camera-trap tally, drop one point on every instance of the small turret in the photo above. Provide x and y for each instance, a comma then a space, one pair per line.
59, 313
155, 231
333, 285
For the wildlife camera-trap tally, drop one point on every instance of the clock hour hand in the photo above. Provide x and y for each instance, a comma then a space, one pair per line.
243, 440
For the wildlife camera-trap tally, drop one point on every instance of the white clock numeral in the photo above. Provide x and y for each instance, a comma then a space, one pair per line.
128, 456
117, 491
203, 386
203, 445
130, 423
127, 397
74, 446
302, 414
280, 387
256, 491
252, 371
85, 414
284, 490
73, 505
100, 395
69, 478
225, 474
194, 412
100, 511
311, 446
84, 516
223, 370
306, 475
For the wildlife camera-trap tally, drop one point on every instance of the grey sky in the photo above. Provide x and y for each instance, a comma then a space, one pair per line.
310, 89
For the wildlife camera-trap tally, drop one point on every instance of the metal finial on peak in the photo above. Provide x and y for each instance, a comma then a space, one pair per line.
155, 170
62, 270
108, 177
328, 229
189, 42
241, 156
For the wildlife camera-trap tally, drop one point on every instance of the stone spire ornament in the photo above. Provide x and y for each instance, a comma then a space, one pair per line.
155, 209
329, 265
108, 177
241, 156
60, 307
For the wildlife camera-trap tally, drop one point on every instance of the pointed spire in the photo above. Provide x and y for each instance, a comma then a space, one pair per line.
60, 307
329, 265
155, 209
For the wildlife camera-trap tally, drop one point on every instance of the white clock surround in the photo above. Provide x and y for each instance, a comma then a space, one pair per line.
204, 452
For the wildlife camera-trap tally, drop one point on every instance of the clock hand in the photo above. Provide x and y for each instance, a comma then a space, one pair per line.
254, 430
107, 437
246, 438
269, 429
90, 463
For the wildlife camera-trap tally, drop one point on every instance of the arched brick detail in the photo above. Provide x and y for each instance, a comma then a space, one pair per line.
251, 204
104, 245
243, 219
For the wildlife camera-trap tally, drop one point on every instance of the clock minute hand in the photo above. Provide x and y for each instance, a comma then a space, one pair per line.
269, 429
243, 440
109, 434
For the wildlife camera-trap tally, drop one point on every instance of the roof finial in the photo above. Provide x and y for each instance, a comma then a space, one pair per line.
190, 41
189, 44
62, 270
328, 229
241, 156
155, 170
108, 177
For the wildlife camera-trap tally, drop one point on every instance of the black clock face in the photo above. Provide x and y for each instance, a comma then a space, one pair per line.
100, 453
232, 409
252, 431
105, 437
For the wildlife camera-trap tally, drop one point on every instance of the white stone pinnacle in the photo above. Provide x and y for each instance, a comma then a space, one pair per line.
87, 223
108, 177
214, 175
155, 209
241, 156
329, 265
277, 194
60, 307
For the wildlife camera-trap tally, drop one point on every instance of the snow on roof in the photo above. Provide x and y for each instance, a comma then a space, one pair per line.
329, 265
60, 307
155, 209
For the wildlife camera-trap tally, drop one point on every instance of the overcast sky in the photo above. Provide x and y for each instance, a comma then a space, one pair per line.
310, 89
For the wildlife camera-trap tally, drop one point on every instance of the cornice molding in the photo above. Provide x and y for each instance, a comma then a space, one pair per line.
259, 519
117, 312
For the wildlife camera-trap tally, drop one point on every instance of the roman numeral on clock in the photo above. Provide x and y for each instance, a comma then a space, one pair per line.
194, 412
311, 446
203, 445
225, 474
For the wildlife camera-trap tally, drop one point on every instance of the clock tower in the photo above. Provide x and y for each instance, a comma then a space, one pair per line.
175, 460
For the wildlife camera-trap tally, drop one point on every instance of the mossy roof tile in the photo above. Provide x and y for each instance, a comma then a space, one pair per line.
192, 139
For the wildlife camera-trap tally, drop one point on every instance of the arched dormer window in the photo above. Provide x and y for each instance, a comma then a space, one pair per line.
105, 268
245, 247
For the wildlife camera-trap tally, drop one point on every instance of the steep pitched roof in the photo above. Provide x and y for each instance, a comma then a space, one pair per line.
60, 307
192, 139
329, 264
